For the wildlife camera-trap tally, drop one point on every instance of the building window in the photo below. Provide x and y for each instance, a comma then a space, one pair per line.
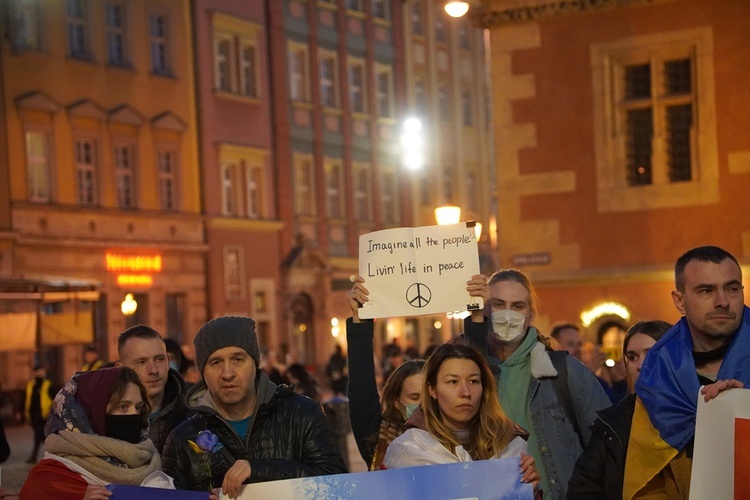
124, 163
389, 196
463, 36
357, 89
233, 273
334, 192
116, 34
298, 74
362, 188
355, 5
166, 160
159, 42
254, 183
444, 105
467, 108
417, 28
38, 167
304, 196
328, 79
86, 167
654, 145
380, 9
235, 64
420, 97
229, 190
24, 25
440, 35
384, 92
176, 307
77, 21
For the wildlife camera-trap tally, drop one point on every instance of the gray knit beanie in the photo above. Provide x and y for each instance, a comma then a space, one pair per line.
226, 331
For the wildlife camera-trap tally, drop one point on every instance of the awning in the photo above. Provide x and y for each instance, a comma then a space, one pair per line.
48, 288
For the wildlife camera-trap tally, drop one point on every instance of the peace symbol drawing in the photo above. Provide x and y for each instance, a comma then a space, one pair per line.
418, 295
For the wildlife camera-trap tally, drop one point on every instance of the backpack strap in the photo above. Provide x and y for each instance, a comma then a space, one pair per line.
560, 383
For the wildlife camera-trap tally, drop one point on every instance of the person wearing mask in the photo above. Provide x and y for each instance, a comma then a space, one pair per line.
142, 349
709, 347
258, 431
460, 418
37, 406
375, 420
599, 471
97, 435
551, 394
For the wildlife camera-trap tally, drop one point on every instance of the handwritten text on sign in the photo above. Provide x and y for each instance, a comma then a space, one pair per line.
421, 270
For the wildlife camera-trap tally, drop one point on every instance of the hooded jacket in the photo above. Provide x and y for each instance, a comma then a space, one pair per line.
172, 412
288, 438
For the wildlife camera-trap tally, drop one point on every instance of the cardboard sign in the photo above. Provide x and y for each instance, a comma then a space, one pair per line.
485, 479
721, 443
420, 270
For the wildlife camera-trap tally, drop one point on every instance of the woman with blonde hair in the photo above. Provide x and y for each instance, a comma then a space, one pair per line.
460, 418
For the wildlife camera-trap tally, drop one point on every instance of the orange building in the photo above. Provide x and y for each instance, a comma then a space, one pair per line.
620, 134
102, 176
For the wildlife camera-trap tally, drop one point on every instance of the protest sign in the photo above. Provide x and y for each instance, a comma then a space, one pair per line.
721, 441
127, 492
420, 270
484, 479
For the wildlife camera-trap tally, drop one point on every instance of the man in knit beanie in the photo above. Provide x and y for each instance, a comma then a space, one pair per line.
253, 429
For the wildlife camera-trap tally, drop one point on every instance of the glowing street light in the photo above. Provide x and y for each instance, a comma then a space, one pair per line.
412, 143
456, 8
447, 214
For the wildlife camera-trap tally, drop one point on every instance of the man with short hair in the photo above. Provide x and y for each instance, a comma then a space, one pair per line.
568, 336
556, 408
142, 349
251, 429
709, 346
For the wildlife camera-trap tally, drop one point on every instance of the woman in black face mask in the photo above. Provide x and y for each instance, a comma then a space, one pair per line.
97, 435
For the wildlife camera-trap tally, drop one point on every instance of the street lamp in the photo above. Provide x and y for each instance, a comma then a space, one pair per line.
456, 8
448, 214
129, 305
412, 143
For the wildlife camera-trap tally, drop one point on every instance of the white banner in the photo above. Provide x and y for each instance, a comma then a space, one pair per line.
421, 270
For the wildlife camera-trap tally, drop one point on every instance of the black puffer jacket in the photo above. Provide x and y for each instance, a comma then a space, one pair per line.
600, 469
172, 412
288, 438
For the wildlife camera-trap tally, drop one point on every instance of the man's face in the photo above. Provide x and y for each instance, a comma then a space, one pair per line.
570, 340
514, 296
712, 300
230, 376
148, 357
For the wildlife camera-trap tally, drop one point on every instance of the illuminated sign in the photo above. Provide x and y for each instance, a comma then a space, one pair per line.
133, 270
120, 263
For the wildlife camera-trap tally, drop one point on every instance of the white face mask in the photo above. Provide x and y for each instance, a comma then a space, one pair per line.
507, 324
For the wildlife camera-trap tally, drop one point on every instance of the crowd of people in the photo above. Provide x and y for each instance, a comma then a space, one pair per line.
501, 389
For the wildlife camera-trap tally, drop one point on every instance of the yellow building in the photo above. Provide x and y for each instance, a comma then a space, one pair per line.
101, 160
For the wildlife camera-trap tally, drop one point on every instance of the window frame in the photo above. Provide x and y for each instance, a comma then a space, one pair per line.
43, 167
125, 171
304, 185
332, 83
614, 193
357, 85
83, 28
86, 172
298, 63
384, 97
334, 188
27, 12
161, 41
113, 31
167, 180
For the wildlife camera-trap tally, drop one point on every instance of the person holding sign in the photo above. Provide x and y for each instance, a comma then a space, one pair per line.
97, 435
551, 394
460, 418
710, 347
375, 423
247, 429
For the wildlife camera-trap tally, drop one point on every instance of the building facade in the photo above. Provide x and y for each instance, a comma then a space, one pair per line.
102, 170
237, 163
620, 145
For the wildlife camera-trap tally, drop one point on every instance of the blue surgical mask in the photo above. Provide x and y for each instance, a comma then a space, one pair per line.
408, 410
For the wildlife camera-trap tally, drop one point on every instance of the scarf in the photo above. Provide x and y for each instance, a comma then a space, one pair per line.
111, 460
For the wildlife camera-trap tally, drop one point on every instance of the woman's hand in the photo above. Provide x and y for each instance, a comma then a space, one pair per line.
477, 287
234, 477
96, 492
530, 474
357, 296
712, 390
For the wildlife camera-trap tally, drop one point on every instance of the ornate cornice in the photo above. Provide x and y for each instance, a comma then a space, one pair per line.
492, 14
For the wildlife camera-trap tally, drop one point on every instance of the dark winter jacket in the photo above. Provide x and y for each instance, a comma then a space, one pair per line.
172, 412
288, 438
599, 471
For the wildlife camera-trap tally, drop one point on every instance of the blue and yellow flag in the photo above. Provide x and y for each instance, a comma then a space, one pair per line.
667, 388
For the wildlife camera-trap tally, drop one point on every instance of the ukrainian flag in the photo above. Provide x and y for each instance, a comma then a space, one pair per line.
667, 388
